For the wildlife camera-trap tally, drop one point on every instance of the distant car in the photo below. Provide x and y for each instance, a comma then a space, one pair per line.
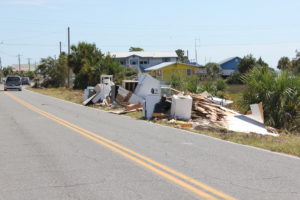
25, 81
13, 82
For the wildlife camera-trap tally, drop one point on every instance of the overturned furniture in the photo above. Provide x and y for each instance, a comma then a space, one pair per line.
129, 85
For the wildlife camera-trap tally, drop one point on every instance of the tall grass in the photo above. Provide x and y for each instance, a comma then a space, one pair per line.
279, 93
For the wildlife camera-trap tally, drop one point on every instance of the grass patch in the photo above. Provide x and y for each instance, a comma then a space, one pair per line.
74, 96
289, 144
235, 89
235, 93
136, 115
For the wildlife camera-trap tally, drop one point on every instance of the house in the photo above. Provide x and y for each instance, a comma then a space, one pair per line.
23, 67
166, 70
144, 59
230, 65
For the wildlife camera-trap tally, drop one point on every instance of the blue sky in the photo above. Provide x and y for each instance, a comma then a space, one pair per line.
269, 28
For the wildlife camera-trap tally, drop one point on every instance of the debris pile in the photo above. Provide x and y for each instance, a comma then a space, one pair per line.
155, 101
203, 107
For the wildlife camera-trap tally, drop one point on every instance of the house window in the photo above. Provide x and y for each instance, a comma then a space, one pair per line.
144, 62
133, 62
189, 72
123, 62
166, 59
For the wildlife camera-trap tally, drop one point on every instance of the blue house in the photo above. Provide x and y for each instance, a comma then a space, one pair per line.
230, 65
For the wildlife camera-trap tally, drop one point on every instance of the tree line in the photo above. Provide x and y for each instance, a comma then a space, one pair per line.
86, 63
278, 91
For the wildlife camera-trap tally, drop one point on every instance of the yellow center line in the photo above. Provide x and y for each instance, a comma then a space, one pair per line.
112, 145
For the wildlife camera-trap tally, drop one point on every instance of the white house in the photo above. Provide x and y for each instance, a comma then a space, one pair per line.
142, 60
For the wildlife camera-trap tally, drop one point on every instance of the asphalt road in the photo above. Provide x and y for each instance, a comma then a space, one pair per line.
52, 149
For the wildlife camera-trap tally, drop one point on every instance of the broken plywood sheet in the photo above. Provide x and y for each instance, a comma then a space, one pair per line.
242, 123
204, 108
131, 107
257, 112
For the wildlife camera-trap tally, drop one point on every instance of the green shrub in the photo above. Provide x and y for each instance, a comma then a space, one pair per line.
235, 78
192, 84
177, 82
221, 85
209, 87
279, 93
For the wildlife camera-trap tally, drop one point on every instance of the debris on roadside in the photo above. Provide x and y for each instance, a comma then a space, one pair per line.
129, 85
183, 110
88, 101
181, 107
88, 92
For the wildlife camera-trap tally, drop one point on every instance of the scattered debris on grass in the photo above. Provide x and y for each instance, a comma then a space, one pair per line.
194, 110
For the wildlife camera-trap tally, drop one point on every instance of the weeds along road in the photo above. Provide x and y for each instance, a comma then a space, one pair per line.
52, 149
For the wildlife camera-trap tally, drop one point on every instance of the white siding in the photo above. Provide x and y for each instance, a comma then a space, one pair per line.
152, 61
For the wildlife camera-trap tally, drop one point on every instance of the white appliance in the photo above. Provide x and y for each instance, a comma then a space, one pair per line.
181, 107
149, 104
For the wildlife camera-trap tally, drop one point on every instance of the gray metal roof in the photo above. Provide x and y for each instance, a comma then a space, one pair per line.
166, 64
145, 54
160, 66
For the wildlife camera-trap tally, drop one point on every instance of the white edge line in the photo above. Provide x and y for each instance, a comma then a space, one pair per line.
189, 132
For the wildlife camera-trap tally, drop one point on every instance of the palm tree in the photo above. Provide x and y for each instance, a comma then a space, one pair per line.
279, 93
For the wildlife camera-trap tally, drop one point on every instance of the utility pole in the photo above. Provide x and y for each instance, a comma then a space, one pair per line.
187, 54
19, 59
59, 48
68, 56
196, 56
196, 46
29, 63
0, 64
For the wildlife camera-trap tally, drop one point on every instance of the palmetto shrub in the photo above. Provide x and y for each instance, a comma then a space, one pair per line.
279, 93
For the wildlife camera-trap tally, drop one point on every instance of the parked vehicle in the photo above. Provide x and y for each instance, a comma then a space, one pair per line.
25, 81
13, 82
